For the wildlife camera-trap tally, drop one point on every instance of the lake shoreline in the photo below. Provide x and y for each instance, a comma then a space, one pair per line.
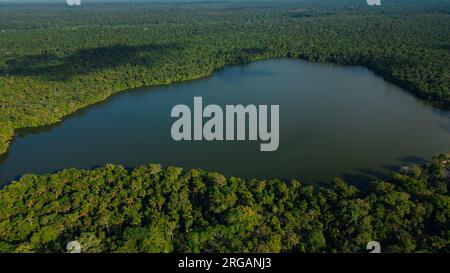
303, 85
389, 78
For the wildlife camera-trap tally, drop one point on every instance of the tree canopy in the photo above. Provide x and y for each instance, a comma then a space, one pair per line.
55, 59
155, 209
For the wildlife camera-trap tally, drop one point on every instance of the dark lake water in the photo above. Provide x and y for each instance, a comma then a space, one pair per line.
334, 121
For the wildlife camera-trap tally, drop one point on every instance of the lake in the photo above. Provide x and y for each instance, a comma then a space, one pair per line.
335, 121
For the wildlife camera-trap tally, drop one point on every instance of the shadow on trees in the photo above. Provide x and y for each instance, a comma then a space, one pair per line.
444, 46
85, 61
363, 177
411, 159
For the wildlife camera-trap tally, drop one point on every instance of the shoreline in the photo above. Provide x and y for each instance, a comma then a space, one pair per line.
8, 139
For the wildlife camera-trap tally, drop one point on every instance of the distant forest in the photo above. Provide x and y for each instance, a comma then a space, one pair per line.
55, 59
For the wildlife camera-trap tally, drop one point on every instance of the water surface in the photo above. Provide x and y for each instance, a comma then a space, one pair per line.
334, 121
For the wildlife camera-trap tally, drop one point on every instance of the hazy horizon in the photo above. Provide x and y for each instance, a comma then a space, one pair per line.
343, 2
